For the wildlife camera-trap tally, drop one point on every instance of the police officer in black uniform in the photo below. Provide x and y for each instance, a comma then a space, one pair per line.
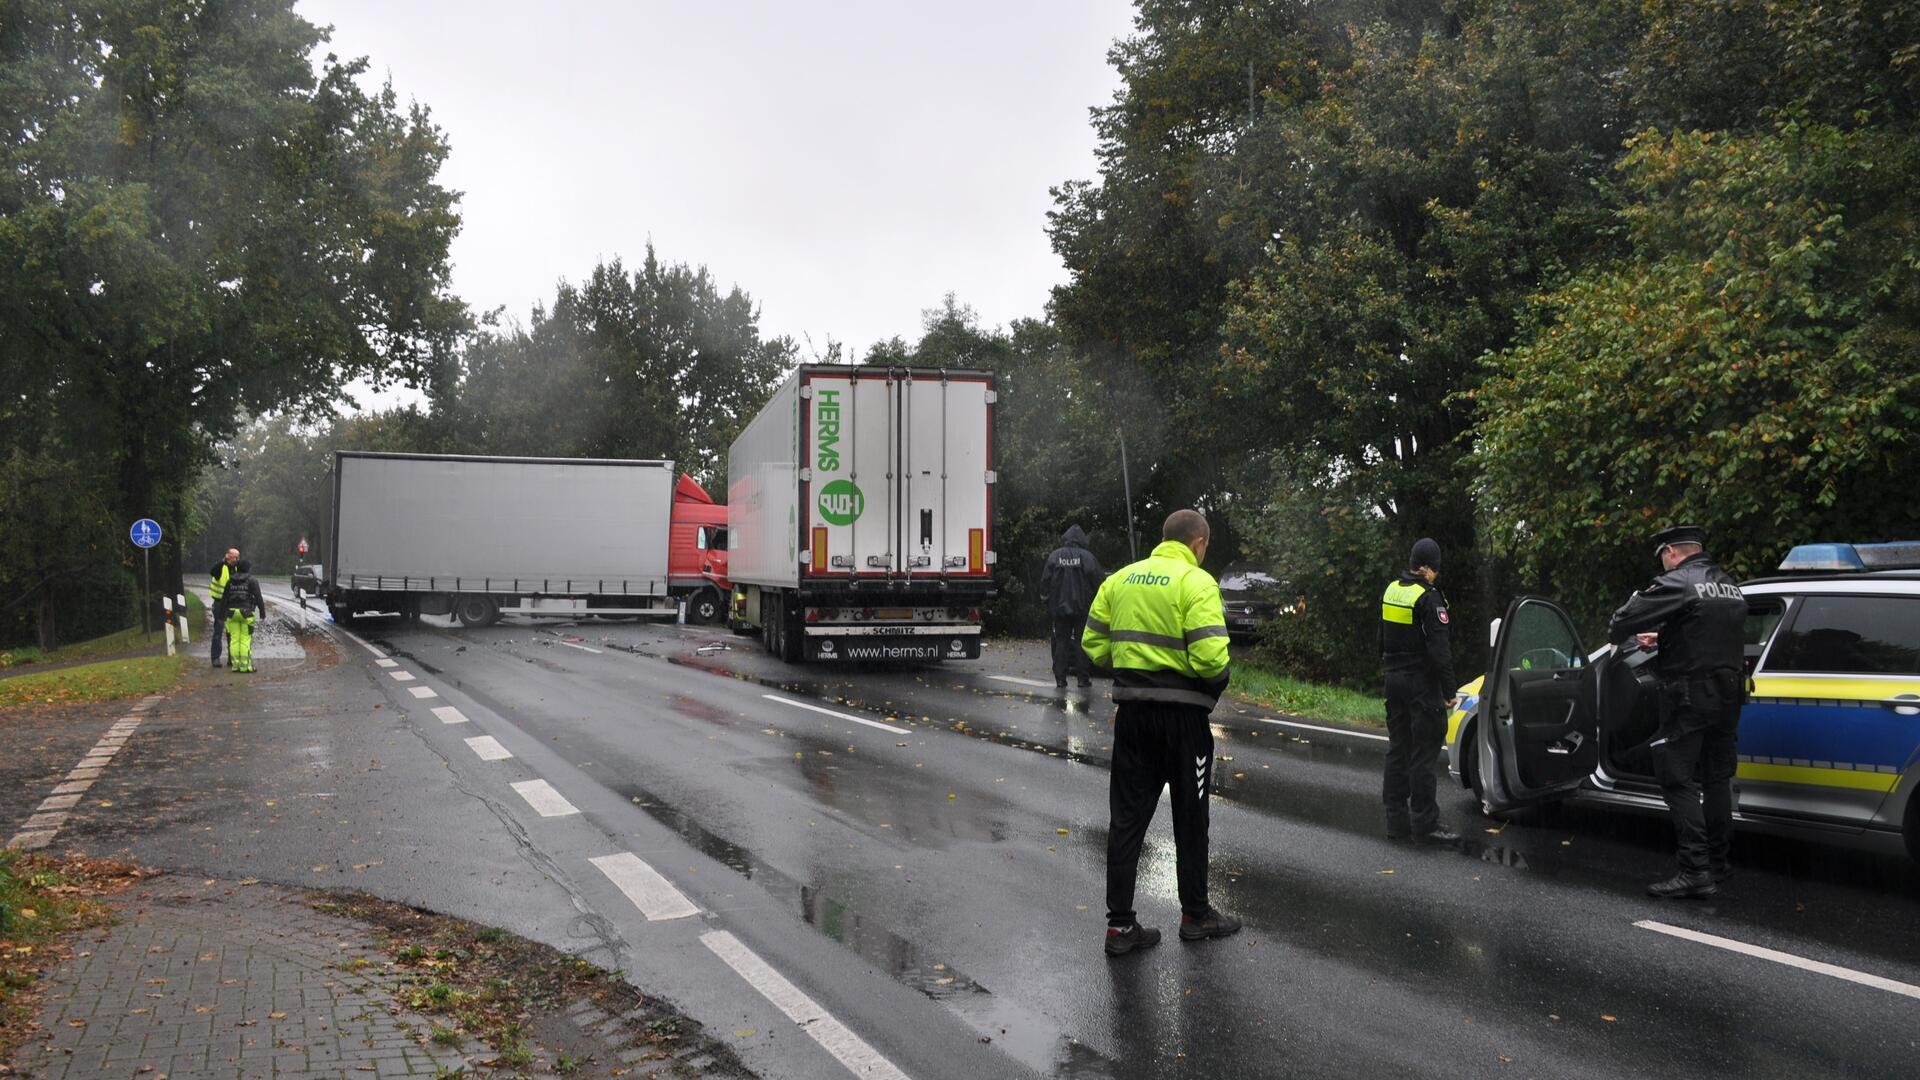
1696, 616
1067, 585
1417, 658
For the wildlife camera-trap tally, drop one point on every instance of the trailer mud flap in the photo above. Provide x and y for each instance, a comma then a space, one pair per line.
870, 647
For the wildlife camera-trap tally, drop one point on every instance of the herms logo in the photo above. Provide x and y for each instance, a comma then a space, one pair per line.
826, 431
841, 502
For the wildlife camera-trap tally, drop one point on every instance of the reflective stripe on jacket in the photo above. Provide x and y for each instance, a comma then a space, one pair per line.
1159, 625
218, 579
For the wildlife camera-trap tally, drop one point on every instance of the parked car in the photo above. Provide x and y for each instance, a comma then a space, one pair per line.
1252, 598
1829, 740
307, 579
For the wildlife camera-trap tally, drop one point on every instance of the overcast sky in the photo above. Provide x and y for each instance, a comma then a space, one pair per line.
847, 164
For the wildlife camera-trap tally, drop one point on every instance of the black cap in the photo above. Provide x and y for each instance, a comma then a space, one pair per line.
1426, 552
245, 567
1679, 534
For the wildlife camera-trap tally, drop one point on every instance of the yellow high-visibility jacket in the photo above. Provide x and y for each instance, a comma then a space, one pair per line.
1159, 625
217, 580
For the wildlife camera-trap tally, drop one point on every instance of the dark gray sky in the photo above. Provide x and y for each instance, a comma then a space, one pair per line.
847, 163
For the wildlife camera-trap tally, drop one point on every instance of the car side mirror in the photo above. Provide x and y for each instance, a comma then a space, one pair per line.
700, 538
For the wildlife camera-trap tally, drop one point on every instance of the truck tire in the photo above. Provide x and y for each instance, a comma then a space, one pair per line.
476, 611
705, 607
790, 634
341, 615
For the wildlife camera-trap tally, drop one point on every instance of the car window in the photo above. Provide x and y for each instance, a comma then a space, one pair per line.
1541, 639
1763, 618
1857, 635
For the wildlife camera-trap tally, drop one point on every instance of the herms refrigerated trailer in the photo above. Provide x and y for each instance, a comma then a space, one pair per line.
479, 537
860, 514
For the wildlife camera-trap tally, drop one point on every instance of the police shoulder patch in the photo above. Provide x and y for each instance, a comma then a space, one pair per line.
1443, 616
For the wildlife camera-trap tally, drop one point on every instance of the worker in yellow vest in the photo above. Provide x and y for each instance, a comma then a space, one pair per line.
217, 579
1417, 658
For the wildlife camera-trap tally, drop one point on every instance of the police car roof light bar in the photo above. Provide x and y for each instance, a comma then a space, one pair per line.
1895, 555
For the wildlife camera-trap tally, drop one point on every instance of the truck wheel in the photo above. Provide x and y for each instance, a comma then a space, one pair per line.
476, 611
705, 607
341, 615
790, 635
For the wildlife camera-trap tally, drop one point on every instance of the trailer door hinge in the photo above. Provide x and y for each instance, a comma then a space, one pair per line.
993, 396
992, 477
806, 476
806, 391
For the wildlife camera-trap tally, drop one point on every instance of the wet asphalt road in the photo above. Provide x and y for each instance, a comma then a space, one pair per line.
937, 857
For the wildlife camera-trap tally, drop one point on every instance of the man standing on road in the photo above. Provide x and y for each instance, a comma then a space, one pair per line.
217, 579
1417, 658
243, 598
1067, 586
1159, 625
1696, 616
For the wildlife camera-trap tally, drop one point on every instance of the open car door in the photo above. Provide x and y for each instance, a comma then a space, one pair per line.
1538, 731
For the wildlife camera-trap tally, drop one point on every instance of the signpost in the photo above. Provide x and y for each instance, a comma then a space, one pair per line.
145, 535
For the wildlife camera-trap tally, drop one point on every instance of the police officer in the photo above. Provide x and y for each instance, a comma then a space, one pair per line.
1695, 615
1159, 625
1417, 659
217, 579
1067, 586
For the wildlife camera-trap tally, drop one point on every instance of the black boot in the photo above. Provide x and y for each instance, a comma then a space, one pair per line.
1684, 886
1123, 940
1211, 925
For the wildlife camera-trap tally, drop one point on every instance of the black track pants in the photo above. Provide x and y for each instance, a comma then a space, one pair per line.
1154, 746
1416, 722
1069, 658
1694, 760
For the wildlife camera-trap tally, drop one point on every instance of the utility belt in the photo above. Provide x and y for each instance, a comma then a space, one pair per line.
1711, 693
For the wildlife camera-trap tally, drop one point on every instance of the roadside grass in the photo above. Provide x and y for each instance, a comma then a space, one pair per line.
41, 898
128, 640
508, 991
1314, 701
104, 681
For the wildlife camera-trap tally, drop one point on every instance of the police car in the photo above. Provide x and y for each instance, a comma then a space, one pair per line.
1829, 742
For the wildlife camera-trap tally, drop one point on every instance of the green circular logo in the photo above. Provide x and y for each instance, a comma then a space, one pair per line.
841, 502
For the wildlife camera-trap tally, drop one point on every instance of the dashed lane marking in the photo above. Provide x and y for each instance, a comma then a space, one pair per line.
422, 691
541, 796
401, 676
1328, 730
846, 1047
449, 715
837, 715
488, 748
360, 641
1891, 986
654, 895
39, 830
1018, 681
582, 648
387, 661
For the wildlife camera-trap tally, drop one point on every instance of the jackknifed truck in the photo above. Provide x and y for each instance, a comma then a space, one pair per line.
480, 537
860, 514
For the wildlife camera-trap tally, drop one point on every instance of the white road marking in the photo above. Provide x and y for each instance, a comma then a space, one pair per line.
449, 715
1328, 730
837, 715
846, 1047
358, 640
1877, 982
85, 772
489, 748
387, 661
582, 648
654, 895
45, 821
541, 796
1025, 682
422, 691
77, 787
401, 676
31, 841
60, 802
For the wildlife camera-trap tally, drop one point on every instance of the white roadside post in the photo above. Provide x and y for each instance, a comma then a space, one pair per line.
166, 631
180, 609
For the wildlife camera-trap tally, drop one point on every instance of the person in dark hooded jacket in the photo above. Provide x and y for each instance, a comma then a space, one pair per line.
1067, 585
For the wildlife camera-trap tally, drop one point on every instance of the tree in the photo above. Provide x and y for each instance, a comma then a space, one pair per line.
199, 228
1752, 366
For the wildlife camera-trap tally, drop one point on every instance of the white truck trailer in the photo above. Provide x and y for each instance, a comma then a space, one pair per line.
860, 514
478, 537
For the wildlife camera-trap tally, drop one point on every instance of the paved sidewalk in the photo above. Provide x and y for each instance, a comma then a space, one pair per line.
216, 979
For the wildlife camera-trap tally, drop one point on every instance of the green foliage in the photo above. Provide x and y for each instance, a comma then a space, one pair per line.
1752, 366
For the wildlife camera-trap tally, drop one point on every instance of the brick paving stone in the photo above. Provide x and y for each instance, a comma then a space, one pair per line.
185, 983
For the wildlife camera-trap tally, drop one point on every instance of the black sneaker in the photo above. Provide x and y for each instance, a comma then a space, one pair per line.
1212, 924
1684, 887
1085, 682
1121, 941
1060, 681
1439, 834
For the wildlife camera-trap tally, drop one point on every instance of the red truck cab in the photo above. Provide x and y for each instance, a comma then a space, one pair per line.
697, 552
